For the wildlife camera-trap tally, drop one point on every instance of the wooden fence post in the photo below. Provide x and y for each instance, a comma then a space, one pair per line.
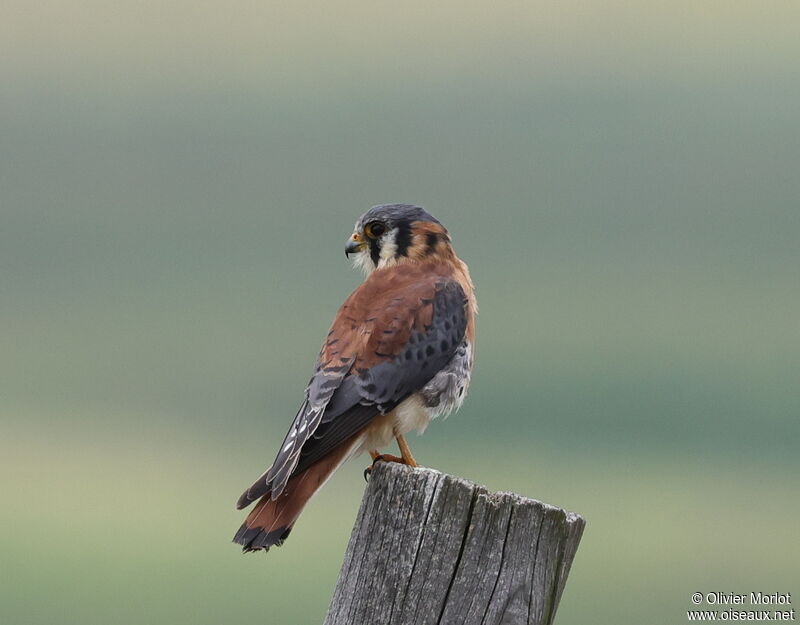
429, 548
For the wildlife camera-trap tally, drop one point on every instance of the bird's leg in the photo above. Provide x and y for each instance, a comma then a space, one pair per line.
405, 451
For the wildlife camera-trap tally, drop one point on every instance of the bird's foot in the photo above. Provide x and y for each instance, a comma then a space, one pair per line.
376, 457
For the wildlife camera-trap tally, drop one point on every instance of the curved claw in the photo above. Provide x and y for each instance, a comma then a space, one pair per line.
368, 470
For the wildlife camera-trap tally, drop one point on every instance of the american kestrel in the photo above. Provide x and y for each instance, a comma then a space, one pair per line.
399, 353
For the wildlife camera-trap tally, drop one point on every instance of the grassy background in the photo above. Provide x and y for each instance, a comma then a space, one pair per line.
176, 186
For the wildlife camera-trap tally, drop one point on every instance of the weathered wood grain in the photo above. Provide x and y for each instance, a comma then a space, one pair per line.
429, 548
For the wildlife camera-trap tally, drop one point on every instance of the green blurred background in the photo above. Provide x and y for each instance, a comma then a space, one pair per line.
177, 181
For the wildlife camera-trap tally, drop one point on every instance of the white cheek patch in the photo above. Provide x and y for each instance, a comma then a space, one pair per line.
388, 248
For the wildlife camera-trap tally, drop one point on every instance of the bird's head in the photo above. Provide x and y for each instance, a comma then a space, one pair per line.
393, 233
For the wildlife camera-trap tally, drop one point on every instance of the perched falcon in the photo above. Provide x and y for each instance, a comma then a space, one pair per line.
399, 353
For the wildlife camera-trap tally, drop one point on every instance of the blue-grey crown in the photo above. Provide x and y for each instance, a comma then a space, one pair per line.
394, 213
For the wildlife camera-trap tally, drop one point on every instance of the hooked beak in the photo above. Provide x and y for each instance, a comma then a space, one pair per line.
354, 245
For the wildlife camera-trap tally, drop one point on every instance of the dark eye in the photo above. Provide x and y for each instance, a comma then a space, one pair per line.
375, 229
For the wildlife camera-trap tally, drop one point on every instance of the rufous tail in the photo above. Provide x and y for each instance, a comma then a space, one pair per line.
270, 522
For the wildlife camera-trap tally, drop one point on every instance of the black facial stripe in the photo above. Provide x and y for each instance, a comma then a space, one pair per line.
403, 238
431, 239
375, 251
